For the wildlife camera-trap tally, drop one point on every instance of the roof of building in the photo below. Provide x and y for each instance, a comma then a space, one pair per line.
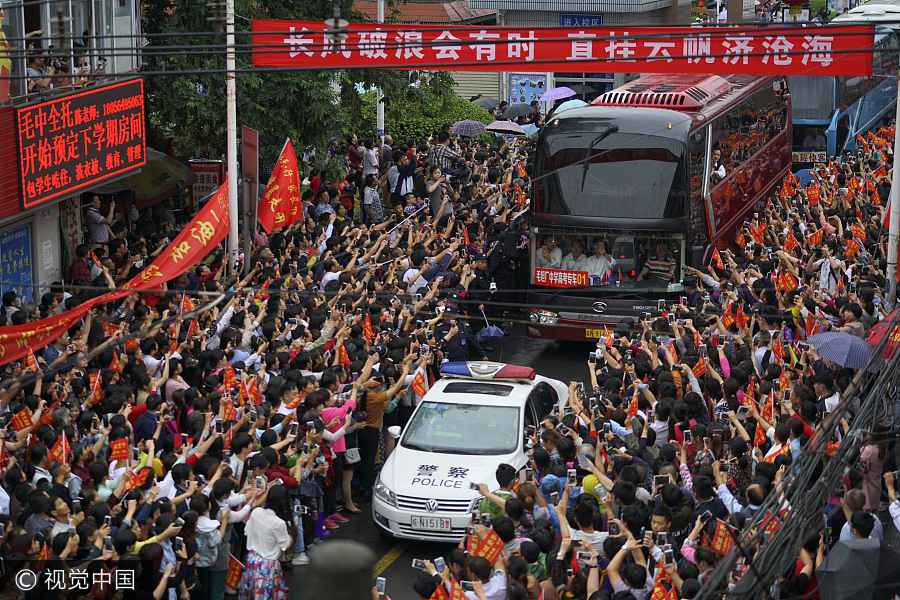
452, 11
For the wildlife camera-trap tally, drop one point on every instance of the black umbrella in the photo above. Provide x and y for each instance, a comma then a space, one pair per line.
514, 111
850, 570
486, 103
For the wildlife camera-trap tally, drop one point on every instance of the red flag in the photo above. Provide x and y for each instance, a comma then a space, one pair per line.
778, 350
721, 542
815, 238
419, 384
663, 587
758, 233
280, 203
728, 316
254, 393
440, 593
136, 480
343, 357
229, 378
96, 389
21, 420
633, 406
235, 570
851, 248
118, 449
114, 364
741, 318
456, 591
47, 414
466, 239
717, 261
699, 369
60, 450
31, 363
858, 231
750, 392
880, 172
786, 281
810, 325
490, 547
367, 328
790, 242
813, 194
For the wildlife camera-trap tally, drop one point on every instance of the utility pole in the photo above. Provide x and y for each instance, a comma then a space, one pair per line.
379, 115
231, 135
894, 203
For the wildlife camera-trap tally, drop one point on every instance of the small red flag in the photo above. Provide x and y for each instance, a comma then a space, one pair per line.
699, 369
96, 389
419, 384
367, 328
31, 363
741, 318
790, 242
342, 355
118, 449
721, 542
21, 420
815, 238
717, 261
757, 232
490, 547
466, 239
60, 450
235, 570
633, 406
229, 378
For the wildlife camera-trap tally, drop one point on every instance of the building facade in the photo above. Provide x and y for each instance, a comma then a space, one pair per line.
70, 120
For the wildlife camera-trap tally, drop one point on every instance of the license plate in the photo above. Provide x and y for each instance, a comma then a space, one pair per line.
430, 523
594, 334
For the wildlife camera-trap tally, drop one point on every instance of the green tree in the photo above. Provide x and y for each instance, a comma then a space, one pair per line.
188, 109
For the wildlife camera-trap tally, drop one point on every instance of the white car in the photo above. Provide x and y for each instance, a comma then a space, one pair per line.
471, 420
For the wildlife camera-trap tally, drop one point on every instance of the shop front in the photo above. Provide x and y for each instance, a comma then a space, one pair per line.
52, 153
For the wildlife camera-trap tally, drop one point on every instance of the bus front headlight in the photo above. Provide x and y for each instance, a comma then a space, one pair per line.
544, 317
385, 494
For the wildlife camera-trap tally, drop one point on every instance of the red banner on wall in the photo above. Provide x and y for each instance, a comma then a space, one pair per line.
197, 239
755, 50
561, 278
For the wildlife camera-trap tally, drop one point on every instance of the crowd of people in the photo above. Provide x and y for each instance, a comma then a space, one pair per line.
208, 454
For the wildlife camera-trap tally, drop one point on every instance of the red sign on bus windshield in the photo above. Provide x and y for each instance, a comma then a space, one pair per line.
75, 141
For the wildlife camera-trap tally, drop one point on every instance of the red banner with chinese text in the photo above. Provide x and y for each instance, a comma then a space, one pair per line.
747, 50
280, 203
197, 239
560, 278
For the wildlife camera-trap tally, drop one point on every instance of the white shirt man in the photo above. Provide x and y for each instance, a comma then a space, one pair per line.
575, 260
549, 255
599, 263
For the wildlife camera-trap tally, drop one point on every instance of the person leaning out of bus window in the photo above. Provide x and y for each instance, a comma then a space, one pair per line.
599, 264
717, 168
661, 267
549, 254
576, 259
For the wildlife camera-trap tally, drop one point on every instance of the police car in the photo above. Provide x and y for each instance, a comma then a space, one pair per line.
471, 420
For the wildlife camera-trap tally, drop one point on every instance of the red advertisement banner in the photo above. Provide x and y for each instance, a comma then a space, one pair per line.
197, 239
748, 50
561, 278
70, 143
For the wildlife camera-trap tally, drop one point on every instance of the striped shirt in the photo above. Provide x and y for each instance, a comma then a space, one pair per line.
660, 269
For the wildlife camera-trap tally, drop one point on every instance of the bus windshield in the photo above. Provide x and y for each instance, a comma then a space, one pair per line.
619, 176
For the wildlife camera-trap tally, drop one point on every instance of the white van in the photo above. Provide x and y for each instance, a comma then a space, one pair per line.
471, 420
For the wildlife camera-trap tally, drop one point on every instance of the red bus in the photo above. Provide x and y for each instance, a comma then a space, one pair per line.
641, 184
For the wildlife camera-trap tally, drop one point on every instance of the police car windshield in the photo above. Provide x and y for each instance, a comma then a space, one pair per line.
463, 429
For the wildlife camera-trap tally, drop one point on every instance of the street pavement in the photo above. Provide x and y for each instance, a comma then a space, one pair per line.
557, 360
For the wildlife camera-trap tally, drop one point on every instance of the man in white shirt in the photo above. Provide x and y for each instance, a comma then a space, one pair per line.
493, 585
600, 262
549, 255
575, 259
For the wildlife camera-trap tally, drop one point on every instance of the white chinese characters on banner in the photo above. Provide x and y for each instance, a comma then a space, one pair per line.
579, 47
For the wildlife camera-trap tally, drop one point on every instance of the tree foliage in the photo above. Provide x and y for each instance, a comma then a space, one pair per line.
415, 113
187, 111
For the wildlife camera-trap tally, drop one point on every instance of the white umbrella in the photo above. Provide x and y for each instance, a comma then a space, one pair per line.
507, 127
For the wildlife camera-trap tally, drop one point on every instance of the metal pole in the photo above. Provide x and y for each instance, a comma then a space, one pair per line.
379, 117
894, 203
231, 133
248, 215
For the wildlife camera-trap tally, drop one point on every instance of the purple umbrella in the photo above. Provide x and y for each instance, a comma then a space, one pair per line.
467, 128
842, 348
557, 94
507, 127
